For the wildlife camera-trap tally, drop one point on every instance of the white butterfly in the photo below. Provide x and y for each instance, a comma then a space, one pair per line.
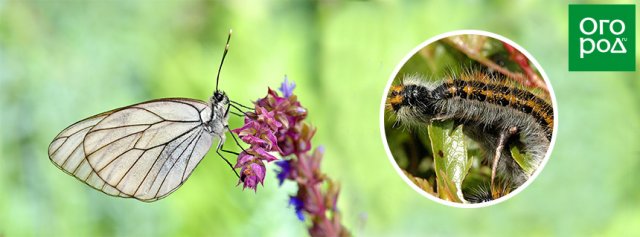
143, 151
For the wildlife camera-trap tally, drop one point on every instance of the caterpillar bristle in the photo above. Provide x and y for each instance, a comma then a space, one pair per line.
483, 192
487, 105
478, 194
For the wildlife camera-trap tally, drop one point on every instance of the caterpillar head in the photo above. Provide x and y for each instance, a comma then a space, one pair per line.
413, 100
396, 97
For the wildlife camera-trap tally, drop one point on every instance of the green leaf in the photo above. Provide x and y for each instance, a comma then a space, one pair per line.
522, 159
450, 159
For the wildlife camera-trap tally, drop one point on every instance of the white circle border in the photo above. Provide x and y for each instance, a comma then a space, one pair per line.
468, 32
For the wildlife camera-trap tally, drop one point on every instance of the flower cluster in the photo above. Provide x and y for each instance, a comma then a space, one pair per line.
277, 126
270, 128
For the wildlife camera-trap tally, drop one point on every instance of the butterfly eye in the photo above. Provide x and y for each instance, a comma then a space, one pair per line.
218, 95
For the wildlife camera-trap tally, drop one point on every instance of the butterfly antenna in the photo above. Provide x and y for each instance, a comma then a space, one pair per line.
226, 50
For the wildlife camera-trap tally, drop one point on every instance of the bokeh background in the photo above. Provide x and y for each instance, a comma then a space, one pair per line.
61, 61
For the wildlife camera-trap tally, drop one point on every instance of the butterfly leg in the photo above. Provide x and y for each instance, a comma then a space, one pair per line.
226, 112
221, 148
225, 159
503, 137
234, 138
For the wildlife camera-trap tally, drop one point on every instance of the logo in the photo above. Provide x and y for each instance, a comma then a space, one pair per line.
602, 37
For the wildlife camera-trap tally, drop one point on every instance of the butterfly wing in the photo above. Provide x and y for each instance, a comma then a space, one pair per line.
145, 151
67, 153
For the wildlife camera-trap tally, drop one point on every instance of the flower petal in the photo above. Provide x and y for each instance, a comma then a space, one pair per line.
285, 170
298, 205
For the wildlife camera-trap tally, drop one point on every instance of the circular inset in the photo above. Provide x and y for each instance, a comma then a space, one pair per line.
468, 118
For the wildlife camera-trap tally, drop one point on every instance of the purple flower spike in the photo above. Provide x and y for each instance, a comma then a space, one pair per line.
277, 125
287, 88
298, 205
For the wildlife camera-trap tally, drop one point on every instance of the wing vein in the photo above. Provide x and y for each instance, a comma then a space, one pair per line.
176, 161
115, 158
149, 171
130, 167
169, 120
79, 164
126, 126
181, 102
154, 113
165, 161
63, 142
189, 159
69, 156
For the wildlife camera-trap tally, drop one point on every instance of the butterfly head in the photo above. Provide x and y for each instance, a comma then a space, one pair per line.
219, 104
220, 97
219, 114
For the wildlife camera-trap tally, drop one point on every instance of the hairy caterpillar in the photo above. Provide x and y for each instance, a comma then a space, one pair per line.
494, 112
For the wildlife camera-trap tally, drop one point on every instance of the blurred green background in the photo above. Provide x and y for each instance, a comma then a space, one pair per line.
62, 61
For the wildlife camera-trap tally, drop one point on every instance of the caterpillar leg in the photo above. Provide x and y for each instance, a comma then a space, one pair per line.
503, 137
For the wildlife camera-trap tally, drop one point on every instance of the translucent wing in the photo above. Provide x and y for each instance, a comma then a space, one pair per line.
67, 153
145, 151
